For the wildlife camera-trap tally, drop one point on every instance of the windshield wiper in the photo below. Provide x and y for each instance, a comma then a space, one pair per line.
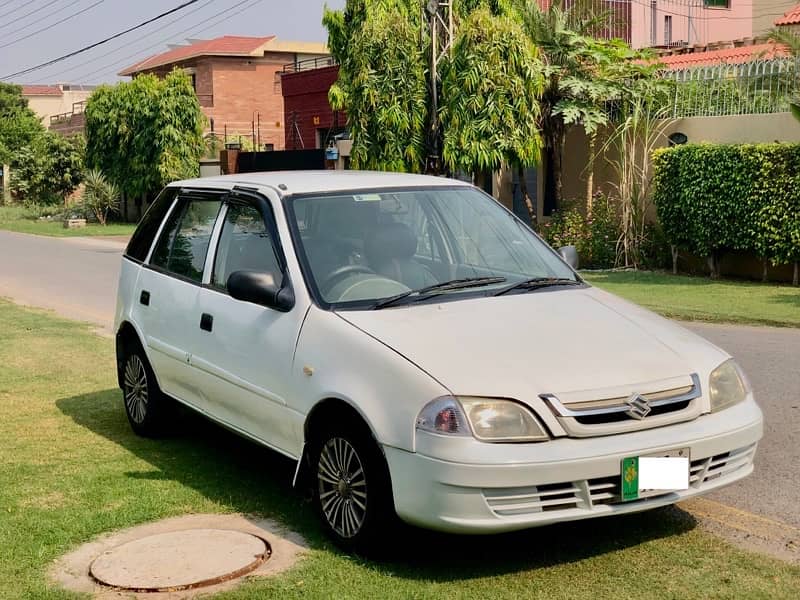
446, 286
537, 283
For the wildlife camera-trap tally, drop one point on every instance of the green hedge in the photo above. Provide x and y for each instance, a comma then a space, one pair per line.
715, 198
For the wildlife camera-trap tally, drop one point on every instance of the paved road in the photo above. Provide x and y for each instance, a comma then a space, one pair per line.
78, 278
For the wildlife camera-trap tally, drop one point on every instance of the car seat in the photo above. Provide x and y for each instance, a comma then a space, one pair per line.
390, 250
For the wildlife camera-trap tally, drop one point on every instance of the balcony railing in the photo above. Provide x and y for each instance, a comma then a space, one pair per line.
310, 64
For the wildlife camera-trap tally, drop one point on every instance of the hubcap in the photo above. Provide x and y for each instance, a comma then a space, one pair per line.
342, 487
136, 389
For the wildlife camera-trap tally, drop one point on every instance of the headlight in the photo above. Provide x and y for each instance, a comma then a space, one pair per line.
727, 386
488, 419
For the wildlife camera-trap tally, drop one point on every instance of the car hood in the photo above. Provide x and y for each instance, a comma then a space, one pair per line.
564, 341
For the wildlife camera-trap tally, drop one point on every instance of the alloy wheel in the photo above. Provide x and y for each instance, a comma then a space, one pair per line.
136, 394
342, 487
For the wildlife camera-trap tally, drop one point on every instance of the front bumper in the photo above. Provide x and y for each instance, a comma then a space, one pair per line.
488, 488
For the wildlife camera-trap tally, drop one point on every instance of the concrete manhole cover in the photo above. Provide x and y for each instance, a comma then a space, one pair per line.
180, 560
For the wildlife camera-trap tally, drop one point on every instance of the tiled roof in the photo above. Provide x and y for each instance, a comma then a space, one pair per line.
229, 45
792, 17
727, 56
41, 90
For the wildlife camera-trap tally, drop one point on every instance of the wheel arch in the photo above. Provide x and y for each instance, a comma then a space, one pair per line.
127, 335
326, 411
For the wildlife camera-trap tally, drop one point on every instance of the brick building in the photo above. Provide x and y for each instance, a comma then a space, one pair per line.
238, 82
310, 121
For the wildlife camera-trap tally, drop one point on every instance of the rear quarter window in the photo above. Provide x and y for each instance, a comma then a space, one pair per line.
145, 234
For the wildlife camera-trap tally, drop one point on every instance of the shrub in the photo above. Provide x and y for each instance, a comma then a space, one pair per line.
715, 198
100, 196
594, 237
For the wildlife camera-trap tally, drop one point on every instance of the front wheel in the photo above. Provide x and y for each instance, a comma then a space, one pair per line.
352, 493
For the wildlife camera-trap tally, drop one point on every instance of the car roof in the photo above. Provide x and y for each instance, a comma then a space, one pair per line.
309, 182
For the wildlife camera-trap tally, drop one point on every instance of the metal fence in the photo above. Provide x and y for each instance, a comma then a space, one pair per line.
758, 87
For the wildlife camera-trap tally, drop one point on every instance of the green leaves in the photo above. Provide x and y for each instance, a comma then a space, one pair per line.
490, 89
145, 133
47, 170
714, 198
19, 125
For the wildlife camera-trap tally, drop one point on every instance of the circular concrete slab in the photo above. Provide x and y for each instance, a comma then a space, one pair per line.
180, 560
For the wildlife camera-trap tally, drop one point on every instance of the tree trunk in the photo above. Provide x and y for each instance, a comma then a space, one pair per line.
764, 274
590, 176
523, 188
674, 250
713, 265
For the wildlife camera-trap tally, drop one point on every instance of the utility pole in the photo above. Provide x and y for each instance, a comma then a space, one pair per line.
442, 32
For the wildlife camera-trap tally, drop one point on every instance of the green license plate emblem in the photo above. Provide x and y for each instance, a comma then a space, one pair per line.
630, 478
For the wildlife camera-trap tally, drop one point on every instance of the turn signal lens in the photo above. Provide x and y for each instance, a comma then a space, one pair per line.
445, 416
727, 386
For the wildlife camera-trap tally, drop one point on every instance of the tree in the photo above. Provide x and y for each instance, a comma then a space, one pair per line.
382, 81
488, 113
19, 125
145, 133
487, 86
49, 169
579, 83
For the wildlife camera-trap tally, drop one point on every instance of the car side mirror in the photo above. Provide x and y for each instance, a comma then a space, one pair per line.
570, 255
258, 287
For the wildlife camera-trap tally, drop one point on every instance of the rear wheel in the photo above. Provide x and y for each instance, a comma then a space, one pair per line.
352, 492
146, 407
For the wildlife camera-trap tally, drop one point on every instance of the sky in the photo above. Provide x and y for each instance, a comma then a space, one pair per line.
23, 44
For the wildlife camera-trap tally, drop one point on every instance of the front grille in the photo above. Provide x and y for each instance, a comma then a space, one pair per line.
609, 416
587, 494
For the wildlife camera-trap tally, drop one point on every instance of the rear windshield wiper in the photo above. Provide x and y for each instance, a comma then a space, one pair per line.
446, 286
537, 283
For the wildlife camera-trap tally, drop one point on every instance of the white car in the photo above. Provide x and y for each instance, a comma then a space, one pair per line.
419, 352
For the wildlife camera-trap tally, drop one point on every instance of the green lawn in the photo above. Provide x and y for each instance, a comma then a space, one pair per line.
70, 469
700, 299
24, 220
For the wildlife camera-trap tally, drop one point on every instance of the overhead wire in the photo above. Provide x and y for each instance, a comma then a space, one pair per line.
48, 27
20, 7
233, 13
143, 37
32, 23
101, 42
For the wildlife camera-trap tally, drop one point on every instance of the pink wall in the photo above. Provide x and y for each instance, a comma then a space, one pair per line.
707, 24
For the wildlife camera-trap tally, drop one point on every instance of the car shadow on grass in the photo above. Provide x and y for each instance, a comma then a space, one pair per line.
245, 477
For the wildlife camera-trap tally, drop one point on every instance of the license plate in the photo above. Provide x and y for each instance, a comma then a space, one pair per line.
644, 476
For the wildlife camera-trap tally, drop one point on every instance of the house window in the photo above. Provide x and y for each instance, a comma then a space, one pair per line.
717, 3
668, 30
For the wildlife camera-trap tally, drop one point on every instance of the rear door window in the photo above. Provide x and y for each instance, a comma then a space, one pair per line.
183, 245
145, 234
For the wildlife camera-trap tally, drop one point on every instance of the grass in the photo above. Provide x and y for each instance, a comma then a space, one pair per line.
70, 469
26, 220
701, 299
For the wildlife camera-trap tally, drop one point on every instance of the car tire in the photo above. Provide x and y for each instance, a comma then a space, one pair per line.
147, 408
351, 488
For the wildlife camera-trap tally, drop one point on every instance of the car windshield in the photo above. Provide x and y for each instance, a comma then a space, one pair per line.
369, 249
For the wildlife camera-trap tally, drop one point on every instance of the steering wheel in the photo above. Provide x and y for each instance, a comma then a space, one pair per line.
343, 272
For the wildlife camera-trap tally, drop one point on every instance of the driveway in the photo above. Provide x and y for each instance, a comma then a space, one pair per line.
78, 279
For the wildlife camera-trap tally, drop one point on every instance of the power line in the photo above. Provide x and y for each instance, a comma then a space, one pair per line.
59, 22
145, 36
56, 11
193, 29
27, 14
101, 42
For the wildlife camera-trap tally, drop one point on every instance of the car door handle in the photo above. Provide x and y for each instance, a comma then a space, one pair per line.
206, 322
144, 298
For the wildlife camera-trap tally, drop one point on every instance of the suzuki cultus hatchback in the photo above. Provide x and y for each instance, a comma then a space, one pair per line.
419, 352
